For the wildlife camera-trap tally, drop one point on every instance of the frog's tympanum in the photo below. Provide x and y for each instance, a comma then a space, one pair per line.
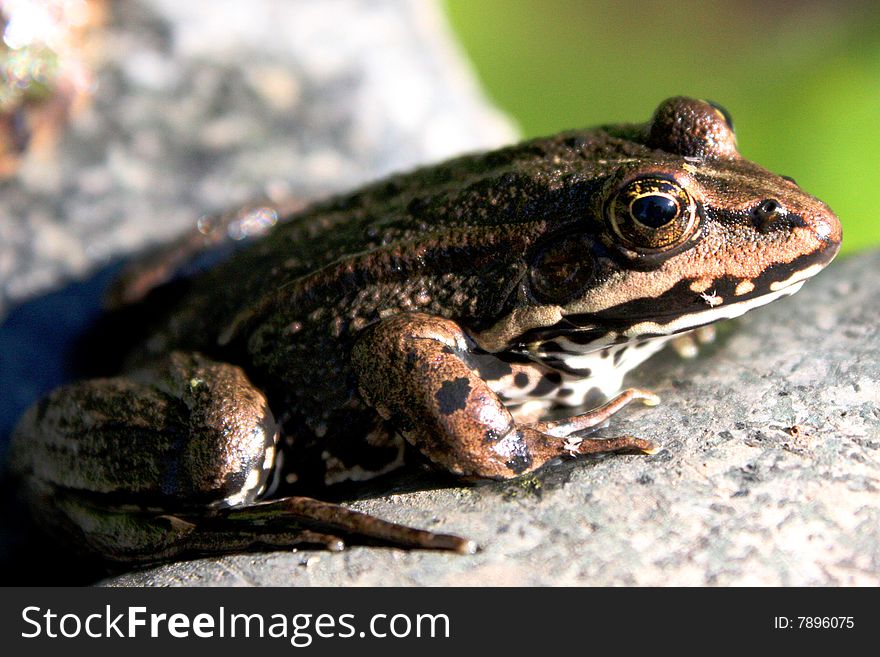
436, 314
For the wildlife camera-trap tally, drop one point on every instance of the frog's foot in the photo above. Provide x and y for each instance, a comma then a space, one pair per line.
595, 417
130, 536
314, 521
417, 372
580, 445
280, 524
687, 345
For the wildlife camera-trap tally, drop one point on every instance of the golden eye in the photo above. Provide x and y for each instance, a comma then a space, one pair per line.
653, 213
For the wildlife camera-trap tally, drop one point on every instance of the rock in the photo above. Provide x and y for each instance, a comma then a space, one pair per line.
204, 105
199, 107
198, 110
769, 467
768, 475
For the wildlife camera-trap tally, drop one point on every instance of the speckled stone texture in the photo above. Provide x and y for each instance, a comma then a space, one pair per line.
200, 114
206, 104
201, 106
768, 475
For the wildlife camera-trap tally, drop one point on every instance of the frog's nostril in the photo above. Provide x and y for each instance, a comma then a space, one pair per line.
769, 207
766, 212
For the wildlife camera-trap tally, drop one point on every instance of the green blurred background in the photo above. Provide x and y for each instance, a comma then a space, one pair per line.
801, 79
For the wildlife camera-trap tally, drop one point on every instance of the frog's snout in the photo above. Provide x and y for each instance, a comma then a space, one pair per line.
826, 230
812, 233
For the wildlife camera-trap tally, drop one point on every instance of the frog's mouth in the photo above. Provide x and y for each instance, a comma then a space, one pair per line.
678, 310
687, 305
714, 310
727, 296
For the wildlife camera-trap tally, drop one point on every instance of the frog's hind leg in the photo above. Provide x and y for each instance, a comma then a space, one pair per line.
416, 370
290, 520
98, 460
128, 536
170, 462
142, 536
188, 431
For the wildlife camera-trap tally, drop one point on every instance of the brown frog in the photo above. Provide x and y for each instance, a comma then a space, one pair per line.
440, 312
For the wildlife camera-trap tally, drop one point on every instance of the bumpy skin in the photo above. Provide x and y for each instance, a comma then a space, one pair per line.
193, 430
433, 304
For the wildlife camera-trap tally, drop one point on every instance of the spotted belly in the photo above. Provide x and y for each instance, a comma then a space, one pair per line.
363, 448
558, 372
563, 372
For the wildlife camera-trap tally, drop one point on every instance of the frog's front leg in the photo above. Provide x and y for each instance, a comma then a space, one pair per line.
417, 372
171, 461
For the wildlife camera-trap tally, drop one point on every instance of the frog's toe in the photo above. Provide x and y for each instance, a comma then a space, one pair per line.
329, 542
608, 445
687, 345
307, 520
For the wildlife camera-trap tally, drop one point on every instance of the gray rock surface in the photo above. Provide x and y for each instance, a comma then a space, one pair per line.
193, 114
203, 105
198, 107
769, 475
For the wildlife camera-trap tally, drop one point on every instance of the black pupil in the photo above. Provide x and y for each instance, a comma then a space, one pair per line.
654, 210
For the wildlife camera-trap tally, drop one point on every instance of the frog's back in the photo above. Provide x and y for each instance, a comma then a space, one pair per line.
508, 186
450, 220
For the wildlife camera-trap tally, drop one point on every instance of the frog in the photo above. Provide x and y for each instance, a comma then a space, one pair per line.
476, 315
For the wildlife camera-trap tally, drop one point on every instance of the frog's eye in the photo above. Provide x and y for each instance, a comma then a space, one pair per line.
653, 213
728, 119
